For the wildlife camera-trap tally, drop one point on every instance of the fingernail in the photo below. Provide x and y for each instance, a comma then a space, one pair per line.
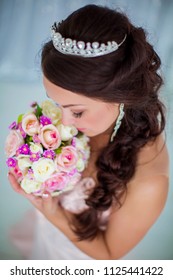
45, 195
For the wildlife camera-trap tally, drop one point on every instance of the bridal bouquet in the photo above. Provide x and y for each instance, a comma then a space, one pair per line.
43, 154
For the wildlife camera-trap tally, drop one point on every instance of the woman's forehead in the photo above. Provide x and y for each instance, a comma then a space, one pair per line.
67, 98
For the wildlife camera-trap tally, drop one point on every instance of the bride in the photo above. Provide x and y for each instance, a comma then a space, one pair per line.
103, 74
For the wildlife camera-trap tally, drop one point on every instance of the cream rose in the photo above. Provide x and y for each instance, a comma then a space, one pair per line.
80, 165
24, 162
30, 186
30, 124
13, 142
50, 137
67, 159
67, 132
50, 110
43, 169
36, 148
82, 142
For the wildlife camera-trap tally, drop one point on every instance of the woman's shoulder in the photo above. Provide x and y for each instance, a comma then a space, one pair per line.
143, 201
152, 189
153, 161
152, 173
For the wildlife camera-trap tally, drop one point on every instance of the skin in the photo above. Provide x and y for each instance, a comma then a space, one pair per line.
146, 192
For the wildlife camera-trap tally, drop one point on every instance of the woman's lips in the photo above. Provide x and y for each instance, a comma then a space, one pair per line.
81, 129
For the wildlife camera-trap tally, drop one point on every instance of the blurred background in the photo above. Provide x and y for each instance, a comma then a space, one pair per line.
24, 27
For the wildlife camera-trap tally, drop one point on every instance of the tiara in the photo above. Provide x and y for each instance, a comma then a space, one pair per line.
80, 48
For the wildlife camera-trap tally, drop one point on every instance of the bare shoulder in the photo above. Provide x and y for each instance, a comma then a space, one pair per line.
151, 178
141, 208
147, 197
152, 170
149, 187
142, 205
150, 192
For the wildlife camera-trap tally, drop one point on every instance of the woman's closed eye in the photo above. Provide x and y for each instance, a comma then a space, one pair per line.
77, 115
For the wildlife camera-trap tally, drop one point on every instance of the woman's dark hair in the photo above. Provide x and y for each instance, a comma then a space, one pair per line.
128, 75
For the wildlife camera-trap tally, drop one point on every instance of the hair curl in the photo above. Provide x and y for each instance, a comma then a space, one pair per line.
128, 75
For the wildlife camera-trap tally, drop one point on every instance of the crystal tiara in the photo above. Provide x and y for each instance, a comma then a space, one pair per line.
80, 48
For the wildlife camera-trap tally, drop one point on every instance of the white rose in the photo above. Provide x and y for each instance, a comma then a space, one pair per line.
67, 132
74, 179
29, 185
36, 148
82, 142
24, 162
50, 110
80, 165
43, 168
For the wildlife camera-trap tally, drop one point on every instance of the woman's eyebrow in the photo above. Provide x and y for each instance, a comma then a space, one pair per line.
71, 105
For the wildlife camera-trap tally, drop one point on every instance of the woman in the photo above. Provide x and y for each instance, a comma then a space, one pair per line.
106, 83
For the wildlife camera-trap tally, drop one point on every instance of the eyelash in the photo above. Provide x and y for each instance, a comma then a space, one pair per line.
77, 115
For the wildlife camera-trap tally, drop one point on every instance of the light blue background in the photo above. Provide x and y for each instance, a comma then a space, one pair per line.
24, 27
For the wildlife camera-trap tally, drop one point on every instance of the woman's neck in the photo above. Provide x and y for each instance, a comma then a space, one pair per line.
98, 142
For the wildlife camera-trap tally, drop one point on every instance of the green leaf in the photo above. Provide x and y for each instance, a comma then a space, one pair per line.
20, 118
58, 151
28, 139
79, 134
64, 143
38, 111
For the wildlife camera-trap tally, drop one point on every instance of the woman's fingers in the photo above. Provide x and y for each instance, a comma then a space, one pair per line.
15, 185
17, 188
50, 204
46, 204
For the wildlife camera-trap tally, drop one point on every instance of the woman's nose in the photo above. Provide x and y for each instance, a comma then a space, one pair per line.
66, 120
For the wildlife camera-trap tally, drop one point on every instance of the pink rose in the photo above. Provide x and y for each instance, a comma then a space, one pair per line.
17, 173
30, 124
67, 160
56, 182
13, 142
50, 137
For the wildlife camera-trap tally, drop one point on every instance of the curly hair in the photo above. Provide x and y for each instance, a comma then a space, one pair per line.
130, 76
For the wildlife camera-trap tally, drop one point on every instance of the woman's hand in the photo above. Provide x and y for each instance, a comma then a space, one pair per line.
46, 204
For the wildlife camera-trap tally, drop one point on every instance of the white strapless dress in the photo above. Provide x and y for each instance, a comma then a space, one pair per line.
36, 238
